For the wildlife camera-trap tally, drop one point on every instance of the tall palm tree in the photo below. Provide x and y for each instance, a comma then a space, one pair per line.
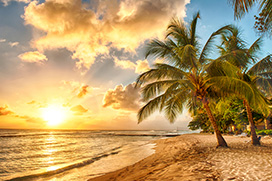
258, 76
186, 79
263, 20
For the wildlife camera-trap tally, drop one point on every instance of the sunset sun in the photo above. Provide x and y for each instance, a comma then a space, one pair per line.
54, 115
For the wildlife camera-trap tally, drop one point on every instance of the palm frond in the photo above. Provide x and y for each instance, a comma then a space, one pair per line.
233, 85
193, 28
218, 67
267, 75
188, 57
149, 108
266, 15
178, 31
263, 65
241, 7
162, 71
264, 84
157, 48
193, 105
207, 47
254, 48
174, 105
156, 88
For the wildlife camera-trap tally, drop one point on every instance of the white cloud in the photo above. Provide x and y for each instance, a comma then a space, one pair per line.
6, 2
33, 57
2, 40
13, 44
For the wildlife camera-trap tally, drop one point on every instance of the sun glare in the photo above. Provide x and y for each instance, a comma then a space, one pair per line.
54, 115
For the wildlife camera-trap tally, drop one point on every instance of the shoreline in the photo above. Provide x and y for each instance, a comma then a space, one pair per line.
195, 157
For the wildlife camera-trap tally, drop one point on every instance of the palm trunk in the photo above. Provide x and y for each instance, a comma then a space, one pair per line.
220, 140
267, 122
254, 138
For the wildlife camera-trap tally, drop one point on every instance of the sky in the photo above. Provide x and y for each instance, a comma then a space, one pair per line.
71, 64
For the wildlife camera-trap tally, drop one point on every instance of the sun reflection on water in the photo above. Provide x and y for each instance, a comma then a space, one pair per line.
49, 151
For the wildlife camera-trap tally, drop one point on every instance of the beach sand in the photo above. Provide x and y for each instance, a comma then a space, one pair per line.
195, 157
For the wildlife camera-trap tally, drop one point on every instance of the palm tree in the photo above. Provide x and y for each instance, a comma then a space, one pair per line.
258, 76
263, 20
186, 79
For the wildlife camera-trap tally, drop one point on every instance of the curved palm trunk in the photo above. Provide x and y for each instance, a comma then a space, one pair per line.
254, 138
220, 140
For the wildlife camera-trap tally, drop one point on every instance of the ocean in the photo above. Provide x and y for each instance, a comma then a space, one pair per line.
71, 154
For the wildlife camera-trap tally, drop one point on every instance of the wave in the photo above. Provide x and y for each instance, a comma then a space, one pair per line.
68, 167
145, 134
45, 133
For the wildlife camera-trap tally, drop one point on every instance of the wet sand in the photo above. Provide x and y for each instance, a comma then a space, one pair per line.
195, 157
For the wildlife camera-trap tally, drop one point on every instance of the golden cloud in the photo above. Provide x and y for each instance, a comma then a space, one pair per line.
4, 110
82, 91
124, 64
79, 110
125, 98
33, 57
91, 32
139, 67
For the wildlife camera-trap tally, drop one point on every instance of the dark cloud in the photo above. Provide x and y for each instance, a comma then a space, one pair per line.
126, 98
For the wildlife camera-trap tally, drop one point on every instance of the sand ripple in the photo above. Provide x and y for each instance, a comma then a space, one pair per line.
194, 157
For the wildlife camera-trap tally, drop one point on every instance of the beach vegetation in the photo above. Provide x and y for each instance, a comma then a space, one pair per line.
231, 116
264, 132
256, 73
187, 78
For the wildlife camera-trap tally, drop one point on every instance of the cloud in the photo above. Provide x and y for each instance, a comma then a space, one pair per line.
125, 98
82, 91
6, 2
78, 88
13, 44
79, 110
37, 104
33, 57
124, 64
139, 67
35, 120
90, 32
4, 110
32, 102
2, 40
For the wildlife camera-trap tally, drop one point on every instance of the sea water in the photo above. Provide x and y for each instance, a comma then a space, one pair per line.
70, 154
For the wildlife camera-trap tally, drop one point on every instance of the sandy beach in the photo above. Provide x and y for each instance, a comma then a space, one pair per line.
195, 157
